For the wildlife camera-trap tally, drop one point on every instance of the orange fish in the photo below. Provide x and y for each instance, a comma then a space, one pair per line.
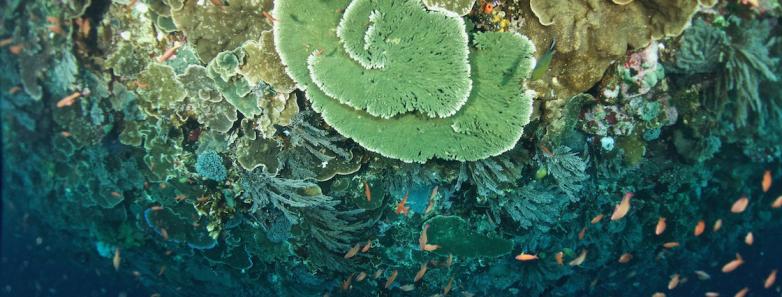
407, 287
164, 234
421, 272
766, 183
582, 233
430, 205
622, 208
740, 205
448, 287
660, 228
742, 292
401, 208
580, 259
712, 294
117, 259
68, 100
658, 294
770, 279
353, 251
431, 247
673, 282
55, 25
366, 246
169, 52
156, 208
749, 239
14, 90
361, 276
717, 225
391, 279
367, 192
777, 202
560, 257
733, 264
116, 194
597, 219
268, 17
218, 3
670, 245
524, 257
626, 257
346, 282
699, 228
423, 239
84, 26
16, 49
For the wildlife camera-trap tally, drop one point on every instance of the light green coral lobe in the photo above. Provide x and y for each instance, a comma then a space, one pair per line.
489, 123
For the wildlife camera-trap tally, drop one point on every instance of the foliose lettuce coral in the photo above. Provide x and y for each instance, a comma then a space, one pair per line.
467, 102
213, 29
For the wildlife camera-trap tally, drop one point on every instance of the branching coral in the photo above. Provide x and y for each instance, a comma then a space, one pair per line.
748, 63
740, 58
313, 152
489, 123
533, 206
292, 197
314, 214
568, 169
495, 176
315, 140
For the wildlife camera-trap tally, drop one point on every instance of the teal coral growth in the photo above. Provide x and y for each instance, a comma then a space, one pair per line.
390, 147
210, 165
454, 236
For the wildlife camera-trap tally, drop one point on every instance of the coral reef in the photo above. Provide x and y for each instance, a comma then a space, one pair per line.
592, 35
391, 148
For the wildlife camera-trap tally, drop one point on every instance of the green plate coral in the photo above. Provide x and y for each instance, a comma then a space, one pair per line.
420, 115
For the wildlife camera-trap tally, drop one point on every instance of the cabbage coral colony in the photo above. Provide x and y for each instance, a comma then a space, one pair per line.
400, 147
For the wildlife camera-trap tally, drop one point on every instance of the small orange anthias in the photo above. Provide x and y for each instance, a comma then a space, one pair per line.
367, 192
402, 207
423, 241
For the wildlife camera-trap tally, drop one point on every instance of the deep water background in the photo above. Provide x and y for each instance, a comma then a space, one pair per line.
58, 266
61, 266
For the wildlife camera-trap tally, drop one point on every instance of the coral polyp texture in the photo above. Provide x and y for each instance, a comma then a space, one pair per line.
389, 74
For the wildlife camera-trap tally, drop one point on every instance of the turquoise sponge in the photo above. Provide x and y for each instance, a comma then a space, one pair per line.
210, 166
